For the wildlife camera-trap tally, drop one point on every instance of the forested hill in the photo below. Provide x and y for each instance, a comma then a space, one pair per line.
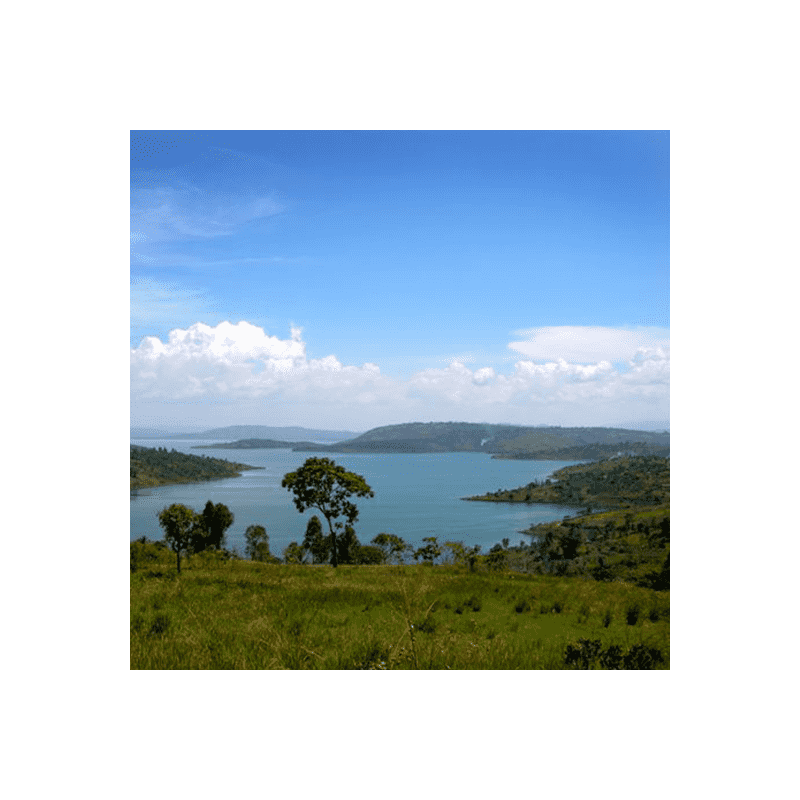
615, 483
151, 466
509, 441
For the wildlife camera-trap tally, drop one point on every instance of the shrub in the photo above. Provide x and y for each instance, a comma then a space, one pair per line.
589, 652
428, 625
368, 554
160, 625
632, 614
612, 658
582, 655
641, 657
372, 656
522, 605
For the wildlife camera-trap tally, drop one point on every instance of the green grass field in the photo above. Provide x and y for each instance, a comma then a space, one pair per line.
238, 614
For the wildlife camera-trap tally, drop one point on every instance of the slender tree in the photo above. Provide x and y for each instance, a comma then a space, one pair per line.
322, 484
178, 522
347, 546
318, 545
429, 552
257, 547
293, 553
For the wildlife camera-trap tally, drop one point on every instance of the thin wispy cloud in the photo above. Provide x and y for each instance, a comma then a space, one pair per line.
167, 213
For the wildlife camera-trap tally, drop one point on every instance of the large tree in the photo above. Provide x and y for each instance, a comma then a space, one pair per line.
179, 523
322, 484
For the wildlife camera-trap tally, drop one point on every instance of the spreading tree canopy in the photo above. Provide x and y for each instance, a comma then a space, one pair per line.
320, 483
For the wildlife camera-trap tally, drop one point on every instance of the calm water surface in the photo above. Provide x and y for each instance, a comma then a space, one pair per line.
416, 495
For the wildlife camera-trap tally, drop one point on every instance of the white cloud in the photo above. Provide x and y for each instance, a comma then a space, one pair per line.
587, 344
242, 364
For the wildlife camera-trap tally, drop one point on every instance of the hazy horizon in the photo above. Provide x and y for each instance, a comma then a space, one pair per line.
647, 425
346, 280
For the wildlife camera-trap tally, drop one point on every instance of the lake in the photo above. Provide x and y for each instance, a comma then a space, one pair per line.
416, 495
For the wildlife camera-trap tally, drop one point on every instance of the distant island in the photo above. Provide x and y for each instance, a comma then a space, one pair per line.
254, 444
157, 466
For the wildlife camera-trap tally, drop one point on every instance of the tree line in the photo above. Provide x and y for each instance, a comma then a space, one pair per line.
319, 484
631, 544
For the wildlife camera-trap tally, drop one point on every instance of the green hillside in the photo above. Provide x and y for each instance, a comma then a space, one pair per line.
514, 441
622, 482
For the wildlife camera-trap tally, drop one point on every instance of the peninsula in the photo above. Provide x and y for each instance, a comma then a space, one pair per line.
157, 466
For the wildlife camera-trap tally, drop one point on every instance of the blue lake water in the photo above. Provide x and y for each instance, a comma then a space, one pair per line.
416, 495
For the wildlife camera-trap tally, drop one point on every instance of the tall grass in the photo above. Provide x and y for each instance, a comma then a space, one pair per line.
249, 615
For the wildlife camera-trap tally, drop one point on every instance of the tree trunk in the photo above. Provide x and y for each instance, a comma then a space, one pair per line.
335, 560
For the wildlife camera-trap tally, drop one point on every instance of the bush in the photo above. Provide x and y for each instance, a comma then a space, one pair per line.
641, 657
161, 623
368, 554
632, 614
144, 551
428, 625
588, 653
582, 655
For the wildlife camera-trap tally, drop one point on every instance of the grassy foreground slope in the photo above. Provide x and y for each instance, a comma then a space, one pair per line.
236, 614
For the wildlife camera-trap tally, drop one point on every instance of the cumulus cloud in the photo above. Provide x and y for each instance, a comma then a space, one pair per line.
243, 364
587, 344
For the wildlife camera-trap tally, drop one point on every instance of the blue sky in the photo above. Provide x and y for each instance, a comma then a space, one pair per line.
349, 279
